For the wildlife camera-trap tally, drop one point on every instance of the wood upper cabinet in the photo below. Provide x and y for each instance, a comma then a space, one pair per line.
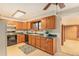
38, 41
29, 25
25, 25
19, 25
43, 23
49, 22
20, 38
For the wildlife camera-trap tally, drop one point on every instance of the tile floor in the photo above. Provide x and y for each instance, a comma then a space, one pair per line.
71, 47
15, 51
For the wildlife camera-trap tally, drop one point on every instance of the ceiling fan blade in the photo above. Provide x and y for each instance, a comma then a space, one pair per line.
61, 5
55, 3
46, 7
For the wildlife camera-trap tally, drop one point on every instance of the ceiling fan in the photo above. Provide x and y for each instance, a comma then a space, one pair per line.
61, 5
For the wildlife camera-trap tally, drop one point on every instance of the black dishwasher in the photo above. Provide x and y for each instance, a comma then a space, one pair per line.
26, 38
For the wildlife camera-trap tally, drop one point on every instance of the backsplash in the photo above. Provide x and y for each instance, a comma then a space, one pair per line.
48, 31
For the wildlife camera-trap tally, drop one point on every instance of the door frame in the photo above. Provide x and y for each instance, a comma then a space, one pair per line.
62, 34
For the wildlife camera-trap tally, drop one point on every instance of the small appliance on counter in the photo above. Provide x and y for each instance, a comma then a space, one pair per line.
52, 35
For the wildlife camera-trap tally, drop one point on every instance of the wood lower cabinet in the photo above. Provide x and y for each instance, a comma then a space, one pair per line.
20, 38
49, 46
38, 41
43, 43
32, 40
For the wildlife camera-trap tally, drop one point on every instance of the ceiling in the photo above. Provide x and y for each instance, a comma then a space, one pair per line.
32, 9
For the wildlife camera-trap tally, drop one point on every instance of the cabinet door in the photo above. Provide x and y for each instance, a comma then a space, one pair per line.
43, 43
29, 26
20, 38
43, 23
33, 40
19, 25
30, 39
51, 22
25, 25
38, 42
49, 46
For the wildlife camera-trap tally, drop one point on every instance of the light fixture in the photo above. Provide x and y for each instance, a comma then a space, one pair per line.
18, 14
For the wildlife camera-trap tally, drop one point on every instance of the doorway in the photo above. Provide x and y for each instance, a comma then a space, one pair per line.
70, 36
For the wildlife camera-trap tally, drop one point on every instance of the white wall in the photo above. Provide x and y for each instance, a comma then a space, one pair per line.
70, 20
3, 39
58, 31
